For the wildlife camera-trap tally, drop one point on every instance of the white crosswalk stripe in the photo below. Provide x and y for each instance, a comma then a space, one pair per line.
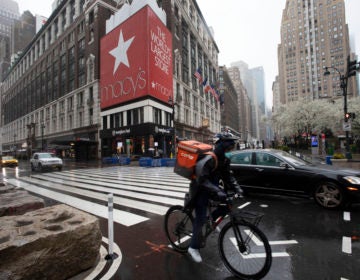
150, 190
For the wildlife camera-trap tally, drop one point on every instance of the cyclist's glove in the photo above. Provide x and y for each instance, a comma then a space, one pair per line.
239, 191
221, 195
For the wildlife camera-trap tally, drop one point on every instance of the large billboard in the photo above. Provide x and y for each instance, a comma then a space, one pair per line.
136, 60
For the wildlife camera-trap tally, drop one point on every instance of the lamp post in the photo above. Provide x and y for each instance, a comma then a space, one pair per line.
351, 71
42, 137
14, 147
172, 103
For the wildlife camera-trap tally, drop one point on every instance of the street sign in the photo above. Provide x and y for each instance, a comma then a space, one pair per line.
347, 126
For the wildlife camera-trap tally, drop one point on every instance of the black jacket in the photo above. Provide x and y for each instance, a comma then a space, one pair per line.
210, 174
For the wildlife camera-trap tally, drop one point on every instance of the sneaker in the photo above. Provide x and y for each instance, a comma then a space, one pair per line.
218, 229
195, 254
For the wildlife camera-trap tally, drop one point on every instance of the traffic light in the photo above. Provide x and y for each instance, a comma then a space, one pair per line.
347, 116
352, 115
352, 68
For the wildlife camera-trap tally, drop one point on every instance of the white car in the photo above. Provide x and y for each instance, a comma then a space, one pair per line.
42, 161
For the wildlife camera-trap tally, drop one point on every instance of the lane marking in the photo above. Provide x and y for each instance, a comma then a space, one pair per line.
144, 188
258, 255
145, 206
346, 245
117, 189
121, 217
259, 243
115, 264
244, 205
346, 216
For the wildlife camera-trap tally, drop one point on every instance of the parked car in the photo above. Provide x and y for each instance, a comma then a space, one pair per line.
42, 161
8, 161
279, 172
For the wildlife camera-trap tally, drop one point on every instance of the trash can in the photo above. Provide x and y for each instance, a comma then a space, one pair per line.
328, 160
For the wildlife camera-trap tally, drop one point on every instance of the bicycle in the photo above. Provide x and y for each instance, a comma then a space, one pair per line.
243, 247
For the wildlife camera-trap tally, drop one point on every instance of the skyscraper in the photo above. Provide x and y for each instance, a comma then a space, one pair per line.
314, 35
9, 12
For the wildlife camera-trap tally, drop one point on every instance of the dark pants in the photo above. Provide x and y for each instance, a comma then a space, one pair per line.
200, 205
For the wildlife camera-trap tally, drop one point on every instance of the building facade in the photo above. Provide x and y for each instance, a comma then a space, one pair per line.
51, 95
244, 104
197, 113
9, 13
314, 35
23, 31
230, 117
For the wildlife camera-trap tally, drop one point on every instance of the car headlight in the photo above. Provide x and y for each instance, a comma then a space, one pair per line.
353, 180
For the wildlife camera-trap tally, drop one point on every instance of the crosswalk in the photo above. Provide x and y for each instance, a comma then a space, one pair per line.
138, 191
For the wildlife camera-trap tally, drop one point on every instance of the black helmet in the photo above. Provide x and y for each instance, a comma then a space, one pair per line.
224, 137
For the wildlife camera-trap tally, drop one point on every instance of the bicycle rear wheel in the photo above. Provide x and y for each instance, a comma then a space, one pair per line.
178, 226
245, 250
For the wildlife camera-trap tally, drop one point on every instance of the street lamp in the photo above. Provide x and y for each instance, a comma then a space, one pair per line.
172, 103
42, 137
351, 71
14, 147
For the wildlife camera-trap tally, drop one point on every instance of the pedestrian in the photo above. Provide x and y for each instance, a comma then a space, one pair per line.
210, 171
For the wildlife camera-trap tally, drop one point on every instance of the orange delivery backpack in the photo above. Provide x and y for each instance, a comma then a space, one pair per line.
188, 154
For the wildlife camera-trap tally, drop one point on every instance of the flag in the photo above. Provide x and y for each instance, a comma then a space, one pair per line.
207, 88
198, 75
213, 92
204, 82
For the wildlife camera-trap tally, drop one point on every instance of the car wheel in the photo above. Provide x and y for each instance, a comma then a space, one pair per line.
59, 168
329, 195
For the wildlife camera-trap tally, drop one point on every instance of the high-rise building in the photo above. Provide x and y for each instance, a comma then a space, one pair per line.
9, 12
314, 35
23, 31
253, 80
230, 118
244, 104
259, 76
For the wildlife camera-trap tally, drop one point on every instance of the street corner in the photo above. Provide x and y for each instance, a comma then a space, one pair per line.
106, 265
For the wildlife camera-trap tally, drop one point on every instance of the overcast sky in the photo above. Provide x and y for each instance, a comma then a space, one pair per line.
247, 30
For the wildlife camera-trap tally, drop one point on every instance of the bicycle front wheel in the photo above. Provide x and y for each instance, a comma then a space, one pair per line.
178, 226
245, 250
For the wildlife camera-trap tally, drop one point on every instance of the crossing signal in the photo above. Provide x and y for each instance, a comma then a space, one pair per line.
352, 68
347, 116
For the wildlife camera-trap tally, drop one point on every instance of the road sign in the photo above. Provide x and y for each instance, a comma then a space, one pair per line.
347, 126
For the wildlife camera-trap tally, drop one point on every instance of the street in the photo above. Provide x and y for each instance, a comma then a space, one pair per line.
307, 241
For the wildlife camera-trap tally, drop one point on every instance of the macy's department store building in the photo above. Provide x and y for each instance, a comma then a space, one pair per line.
50, 98
135, 90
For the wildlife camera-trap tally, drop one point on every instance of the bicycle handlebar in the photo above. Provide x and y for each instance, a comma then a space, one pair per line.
233, 196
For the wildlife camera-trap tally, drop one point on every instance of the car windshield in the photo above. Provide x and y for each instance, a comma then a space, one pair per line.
293, 159
7, 158
46, 155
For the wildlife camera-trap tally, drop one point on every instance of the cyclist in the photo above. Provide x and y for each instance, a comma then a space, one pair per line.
210, 171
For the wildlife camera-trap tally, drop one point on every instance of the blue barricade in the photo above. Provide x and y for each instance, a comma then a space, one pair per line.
116, 160
145, 161
170, 161
156, 162
124, 160
328, 160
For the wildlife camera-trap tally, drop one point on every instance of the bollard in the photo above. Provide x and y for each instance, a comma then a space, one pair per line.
111, 254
